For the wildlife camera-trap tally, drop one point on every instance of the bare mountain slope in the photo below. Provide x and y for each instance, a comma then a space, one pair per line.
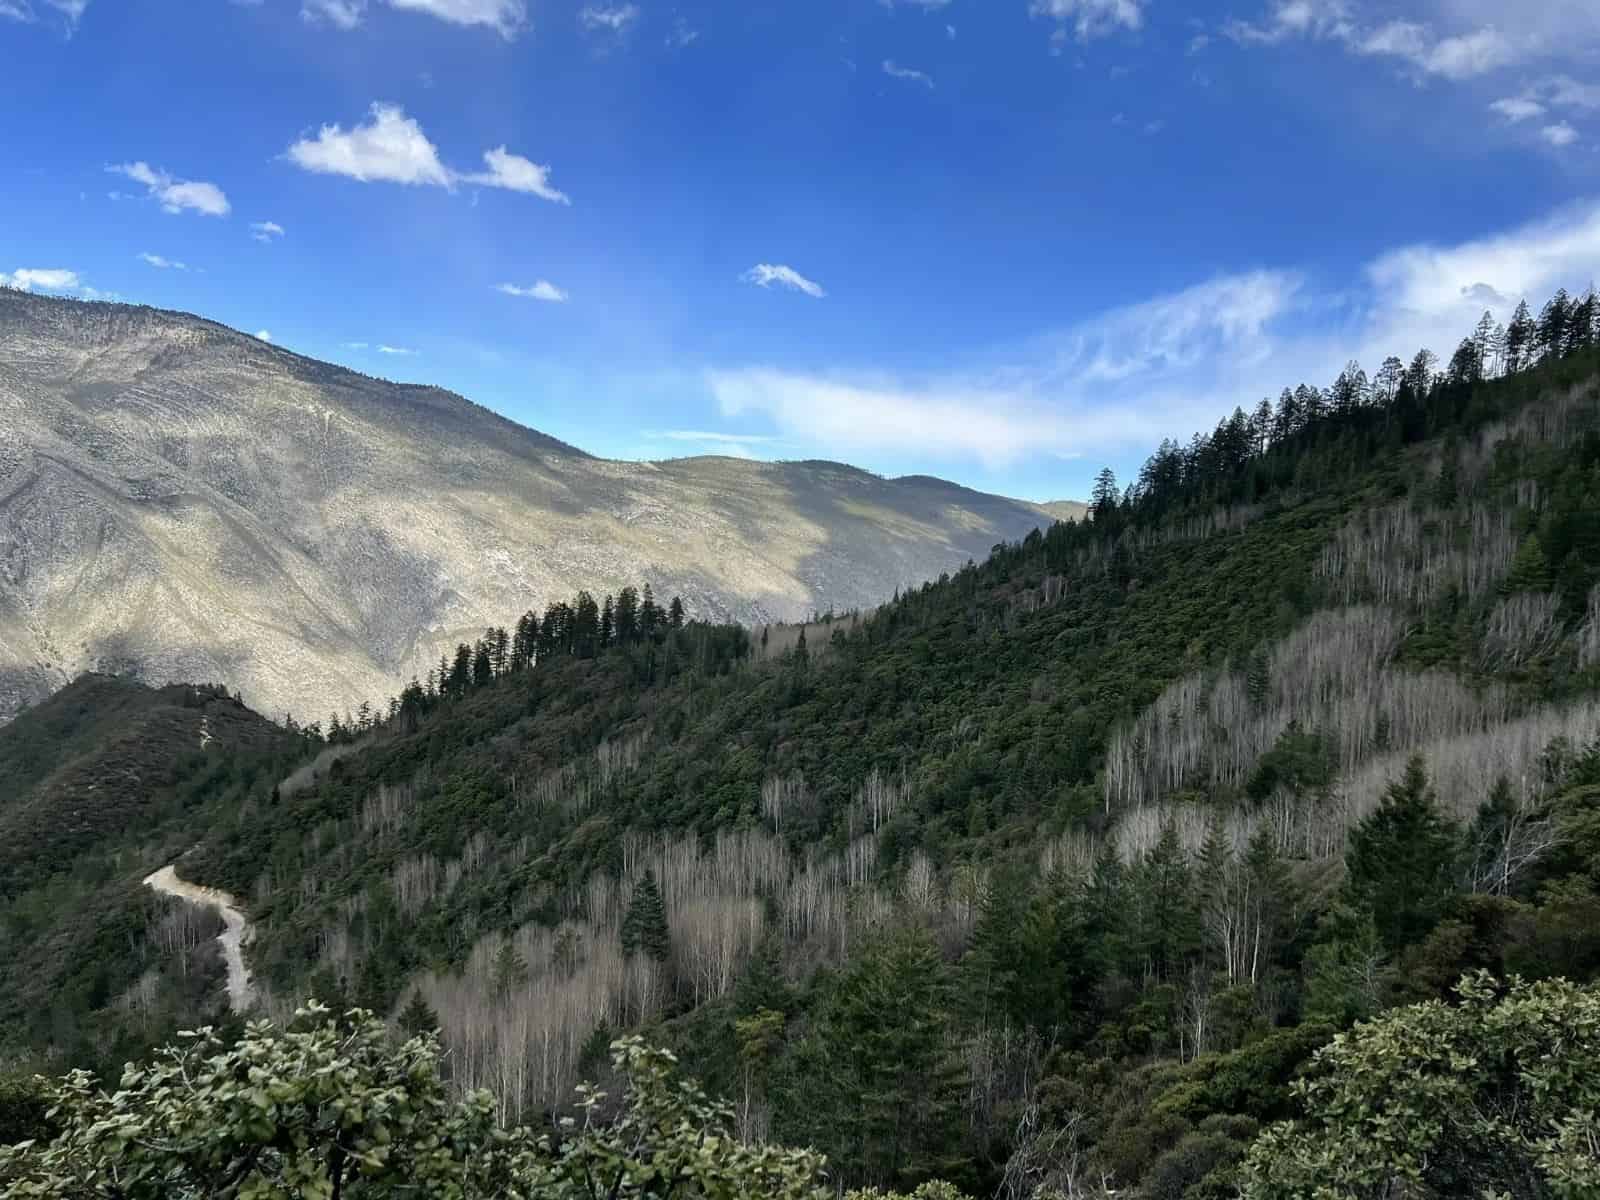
183, 501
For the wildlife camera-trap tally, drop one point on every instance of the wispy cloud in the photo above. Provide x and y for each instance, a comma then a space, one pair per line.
767, 274
608, 18
47, 279
1462, 55
682, 34
175, 195
1560, 92
1090, 18
402, 351
1121, 381
506, 17
161, 263
265, 231
341, 14
1518, 108
894, 71
23, 10
1559, 134
543, 289
392, 148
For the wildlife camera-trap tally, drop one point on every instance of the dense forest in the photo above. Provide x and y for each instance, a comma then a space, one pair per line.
1070, 873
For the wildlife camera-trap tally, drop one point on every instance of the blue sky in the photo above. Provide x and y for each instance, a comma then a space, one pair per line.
1002, 241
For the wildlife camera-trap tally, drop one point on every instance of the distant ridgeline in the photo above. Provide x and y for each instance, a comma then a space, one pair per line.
1055, 871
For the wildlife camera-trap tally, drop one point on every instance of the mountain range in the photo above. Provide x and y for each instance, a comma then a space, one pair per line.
181, 501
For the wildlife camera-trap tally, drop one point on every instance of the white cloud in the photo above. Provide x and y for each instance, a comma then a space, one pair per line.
1559, 134
23, 10
1465, 54
355, 345
49, 279
1091, 18
767, 274
1123, 380
505, 17
164, 264
1518, 108
400, 350
1461, 57
264, 335
341, 14
517, 174
894, 71
1294, 18
612, 19
541, 290
950, 32
176, 195
391, 148
683, 34
265, 231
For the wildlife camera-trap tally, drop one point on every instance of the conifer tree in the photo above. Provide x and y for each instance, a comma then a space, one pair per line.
644, 927
1402, 859
418, 1017
1530, 569
889, 1104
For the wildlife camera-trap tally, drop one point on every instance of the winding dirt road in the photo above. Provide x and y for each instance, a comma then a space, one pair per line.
233, 937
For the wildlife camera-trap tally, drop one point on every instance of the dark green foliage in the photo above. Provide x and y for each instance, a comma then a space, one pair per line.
24, 1107
1402, 860
644, 928
417, 1017
880, 1086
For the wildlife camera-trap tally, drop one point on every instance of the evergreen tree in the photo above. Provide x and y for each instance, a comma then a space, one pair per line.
1530, 570
510, 969
1401, 861
888, 1105
644, 927
1521, 335
1103, 500
627, 616
649, 615
461, 670
675, 613
418, 1017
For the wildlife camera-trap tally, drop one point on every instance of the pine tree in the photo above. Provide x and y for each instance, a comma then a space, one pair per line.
417, 1017
649, 615
675, 613
890, 1105
1530, 570
644, 927
1520, 338
510, 969
1401, 861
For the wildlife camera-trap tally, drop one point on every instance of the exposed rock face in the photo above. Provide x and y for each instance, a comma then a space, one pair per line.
188, 503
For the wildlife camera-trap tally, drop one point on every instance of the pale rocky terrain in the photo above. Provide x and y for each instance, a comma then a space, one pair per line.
186, 503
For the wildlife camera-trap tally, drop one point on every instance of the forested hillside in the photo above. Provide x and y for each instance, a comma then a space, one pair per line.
1052, 873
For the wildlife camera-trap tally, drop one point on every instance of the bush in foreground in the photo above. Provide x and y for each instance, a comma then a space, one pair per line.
333, 1109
